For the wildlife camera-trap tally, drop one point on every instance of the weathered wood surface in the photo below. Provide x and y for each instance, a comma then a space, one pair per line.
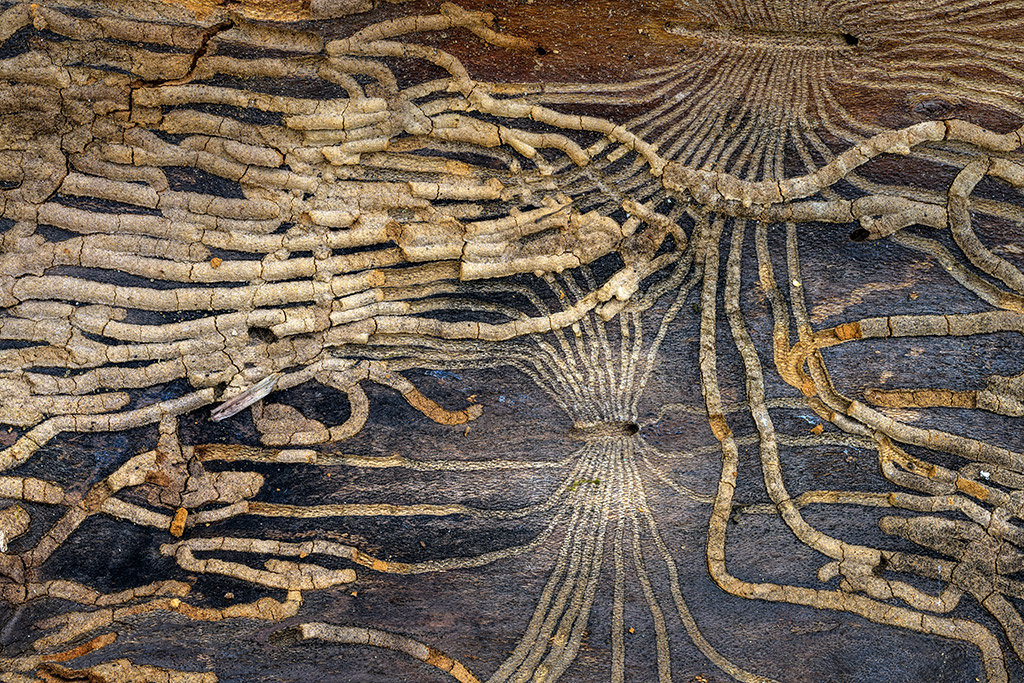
363, 341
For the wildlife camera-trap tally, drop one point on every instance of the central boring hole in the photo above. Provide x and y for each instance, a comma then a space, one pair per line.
605, 430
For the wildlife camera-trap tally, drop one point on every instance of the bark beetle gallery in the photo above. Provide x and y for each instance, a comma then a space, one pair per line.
356, 341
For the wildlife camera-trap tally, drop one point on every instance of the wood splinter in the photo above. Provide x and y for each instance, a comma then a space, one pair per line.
245, 399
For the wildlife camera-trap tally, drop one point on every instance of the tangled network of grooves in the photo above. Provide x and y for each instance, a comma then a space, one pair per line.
179, 232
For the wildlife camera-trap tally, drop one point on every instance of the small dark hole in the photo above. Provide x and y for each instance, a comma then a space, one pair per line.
850, 39
262, 334
604, 430
859, 235
541, 51
285, 637
737, 512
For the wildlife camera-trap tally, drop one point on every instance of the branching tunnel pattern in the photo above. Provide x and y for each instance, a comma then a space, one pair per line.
202, 212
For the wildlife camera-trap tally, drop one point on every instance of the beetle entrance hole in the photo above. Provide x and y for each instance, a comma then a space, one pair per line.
262, 334
605, 430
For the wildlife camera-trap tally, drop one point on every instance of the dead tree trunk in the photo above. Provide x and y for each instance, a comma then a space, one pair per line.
511, 341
